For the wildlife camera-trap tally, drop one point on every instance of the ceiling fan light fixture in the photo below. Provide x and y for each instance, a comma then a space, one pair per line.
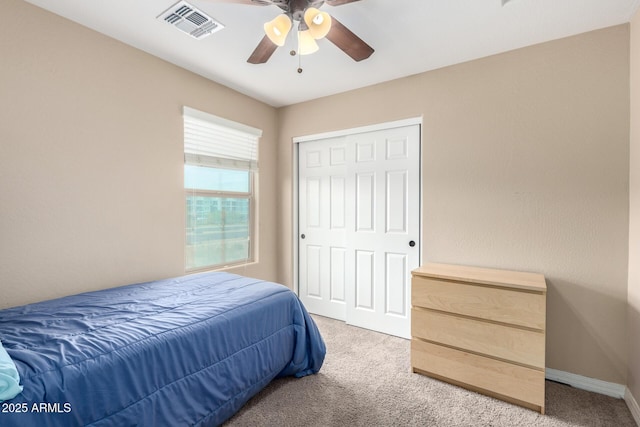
306, 43
319, 23
278, 29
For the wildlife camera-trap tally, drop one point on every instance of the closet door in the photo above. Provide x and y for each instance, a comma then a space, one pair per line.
359, 221
322, 224
384, 233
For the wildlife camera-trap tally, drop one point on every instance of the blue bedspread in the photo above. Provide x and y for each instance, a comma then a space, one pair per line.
177, 352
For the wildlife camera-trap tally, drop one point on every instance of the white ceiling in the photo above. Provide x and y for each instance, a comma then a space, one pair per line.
409, 36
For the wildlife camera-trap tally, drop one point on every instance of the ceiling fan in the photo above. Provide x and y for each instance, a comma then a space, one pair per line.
313, 24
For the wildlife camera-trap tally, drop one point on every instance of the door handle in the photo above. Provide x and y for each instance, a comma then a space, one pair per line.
412, 243
302, 236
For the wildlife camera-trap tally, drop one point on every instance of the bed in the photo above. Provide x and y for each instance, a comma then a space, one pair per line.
176, 352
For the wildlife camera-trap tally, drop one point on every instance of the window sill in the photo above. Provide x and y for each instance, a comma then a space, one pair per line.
223, 268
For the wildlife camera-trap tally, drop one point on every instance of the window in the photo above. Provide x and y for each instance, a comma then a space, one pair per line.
220, 169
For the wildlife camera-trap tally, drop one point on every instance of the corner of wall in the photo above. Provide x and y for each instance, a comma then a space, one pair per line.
632, 394
283, 203
633, 405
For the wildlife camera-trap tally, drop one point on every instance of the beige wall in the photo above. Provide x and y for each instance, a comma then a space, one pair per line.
525, 159
633, 376
525, 167
91, 159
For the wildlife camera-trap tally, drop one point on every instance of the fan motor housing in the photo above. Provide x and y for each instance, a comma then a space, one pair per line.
297, 7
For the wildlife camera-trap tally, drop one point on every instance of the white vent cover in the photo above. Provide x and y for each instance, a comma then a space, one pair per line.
189, 19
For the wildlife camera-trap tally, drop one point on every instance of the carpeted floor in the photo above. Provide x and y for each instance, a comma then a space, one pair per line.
366, 380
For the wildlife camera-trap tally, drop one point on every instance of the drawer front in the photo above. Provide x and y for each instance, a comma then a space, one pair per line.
504, 342
489, 375
509, 306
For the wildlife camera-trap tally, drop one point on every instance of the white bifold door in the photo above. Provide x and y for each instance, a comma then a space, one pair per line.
359, 227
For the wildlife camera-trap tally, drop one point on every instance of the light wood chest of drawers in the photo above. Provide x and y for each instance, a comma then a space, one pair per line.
482, 329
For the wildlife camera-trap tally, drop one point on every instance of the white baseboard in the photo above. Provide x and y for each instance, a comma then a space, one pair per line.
597, 386
586, 383
633, 405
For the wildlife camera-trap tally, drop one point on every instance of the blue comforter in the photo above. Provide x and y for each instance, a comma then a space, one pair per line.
178, 352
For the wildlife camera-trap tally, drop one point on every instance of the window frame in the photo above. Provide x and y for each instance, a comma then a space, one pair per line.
250, 165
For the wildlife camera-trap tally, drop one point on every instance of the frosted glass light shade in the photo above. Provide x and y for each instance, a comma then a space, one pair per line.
306, 43
277, 29
319, 23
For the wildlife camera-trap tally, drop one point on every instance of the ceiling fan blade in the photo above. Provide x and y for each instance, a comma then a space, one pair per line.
338, 2
346, 40
263, 51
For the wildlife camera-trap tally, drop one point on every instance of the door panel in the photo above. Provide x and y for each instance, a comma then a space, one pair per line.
337, 202
396, 202
365, 201
338, 279
364, 190
313, 202
396, 284
364, 280
338, 155
366, 151
314, 264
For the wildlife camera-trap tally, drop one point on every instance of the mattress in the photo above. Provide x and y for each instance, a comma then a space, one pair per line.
176, 352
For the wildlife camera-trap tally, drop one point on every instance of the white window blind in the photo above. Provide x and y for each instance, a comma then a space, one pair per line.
216, 142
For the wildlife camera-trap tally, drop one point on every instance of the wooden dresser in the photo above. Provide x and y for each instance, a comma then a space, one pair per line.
481, 329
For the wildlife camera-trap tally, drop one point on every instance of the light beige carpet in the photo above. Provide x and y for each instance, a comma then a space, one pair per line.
366, 380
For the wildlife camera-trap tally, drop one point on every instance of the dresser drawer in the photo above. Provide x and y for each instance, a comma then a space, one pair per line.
504, 342
515, 307
490, 376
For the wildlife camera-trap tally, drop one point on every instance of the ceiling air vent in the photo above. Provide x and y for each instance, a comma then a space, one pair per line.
189, 19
